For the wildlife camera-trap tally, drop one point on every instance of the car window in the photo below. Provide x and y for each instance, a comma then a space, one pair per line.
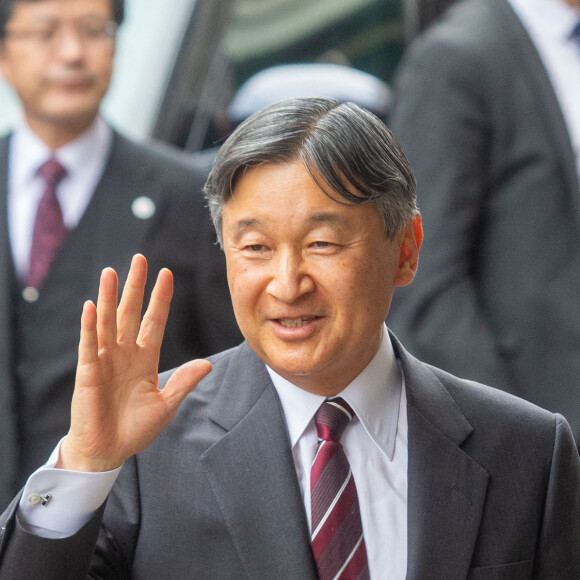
368, 35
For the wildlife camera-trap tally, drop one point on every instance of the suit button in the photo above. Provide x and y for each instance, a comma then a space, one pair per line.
30, 294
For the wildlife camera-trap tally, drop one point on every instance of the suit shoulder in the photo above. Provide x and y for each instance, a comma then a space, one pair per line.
471, 33
486, 406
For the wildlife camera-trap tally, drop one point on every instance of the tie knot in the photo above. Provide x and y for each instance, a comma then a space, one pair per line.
332, 418
52, 172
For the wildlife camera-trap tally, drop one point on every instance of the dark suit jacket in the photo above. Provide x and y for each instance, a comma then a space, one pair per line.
496, 294
494, 491
37, 364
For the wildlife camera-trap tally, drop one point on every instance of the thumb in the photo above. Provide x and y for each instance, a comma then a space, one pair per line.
184, 380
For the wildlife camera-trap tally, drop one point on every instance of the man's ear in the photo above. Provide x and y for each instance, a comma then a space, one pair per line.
410, 244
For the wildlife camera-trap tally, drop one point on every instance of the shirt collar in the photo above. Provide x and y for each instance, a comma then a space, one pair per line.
30, 152
547, 18
374, 396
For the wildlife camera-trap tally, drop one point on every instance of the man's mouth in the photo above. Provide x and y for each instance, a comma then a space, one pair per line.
71, 81
296, 322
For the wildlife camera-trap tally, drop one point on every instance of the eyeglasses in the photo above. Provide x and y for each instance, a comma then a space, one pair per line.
90, 33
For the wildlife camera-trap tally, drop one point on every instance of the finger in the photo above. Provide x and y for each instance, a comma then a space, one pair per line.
153, 325
183, 381
88, 344
129, 312
107, 308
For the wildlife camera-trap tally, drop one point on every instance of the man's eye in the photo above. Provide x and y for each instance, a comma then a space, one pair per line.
92, 31
255, 248
321, 244
43, 34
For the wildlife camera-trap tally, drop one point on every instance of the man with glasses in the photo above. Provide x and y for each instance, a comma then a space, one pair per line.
76, 196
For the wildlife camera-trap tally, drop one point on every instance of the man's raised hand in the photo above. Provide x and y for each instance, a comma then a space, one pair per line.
117, 408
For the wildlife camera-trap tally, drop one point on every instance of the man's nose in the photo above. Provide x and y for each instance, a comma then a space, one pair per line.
290, 277
69, 44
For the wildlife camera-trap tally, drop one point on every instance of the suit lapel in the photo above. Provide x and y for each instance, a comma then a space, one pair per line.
261, 502
446, 487
251, 473
109, 232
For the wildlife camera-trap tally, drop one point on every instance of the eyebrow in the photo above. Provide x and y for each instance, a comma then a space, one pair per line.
333, 220
247, 224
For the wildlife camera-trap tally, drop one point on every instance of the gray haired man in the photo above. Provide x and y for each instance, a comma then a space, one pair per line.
318, 448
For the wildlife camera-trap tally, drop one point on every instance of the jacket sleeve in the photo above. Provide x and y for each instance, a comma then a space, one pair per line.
24, 555
103, 549
558, 553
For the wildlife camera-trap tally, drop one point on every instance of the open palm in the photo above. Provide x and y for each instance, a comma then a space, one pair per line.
117, 408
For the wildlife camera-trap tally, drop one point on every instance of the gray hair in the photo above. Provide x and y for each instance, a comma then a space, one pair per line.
340, 145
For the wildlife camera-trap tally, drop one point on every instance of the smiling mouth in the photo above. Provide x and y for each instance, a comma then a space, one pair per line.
296, 322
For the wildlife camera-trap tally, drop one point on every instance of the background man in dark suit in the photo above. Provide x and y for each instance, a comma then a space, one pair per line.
452, 479
486, 108
117, 198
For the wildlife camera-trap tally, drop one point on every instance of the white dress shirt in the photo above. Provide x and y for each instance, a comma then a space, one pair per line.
549, 24
375, 443
84, 160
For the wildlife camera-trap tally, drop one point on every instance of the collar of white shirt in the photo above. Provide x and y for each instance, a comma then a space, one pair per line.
374, 396
29, 152
84, 160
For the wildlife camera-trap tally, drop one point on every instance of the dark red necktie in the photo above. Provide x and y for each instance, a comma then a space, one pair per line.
49, 229
337, 537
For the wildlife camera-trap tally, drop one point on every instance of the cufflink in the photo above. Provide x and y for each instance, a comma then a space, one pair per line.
36, 498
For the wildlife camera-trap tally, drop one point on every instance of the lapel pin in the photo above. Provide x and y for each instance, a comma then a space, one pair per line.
143, 207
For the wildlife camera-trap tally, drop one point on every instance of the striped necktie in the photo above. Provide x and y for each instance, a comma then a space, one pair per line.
337, 537
49, 229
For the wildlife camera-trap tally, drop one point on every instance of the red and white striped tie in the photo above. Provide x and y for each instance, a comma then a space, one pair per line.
338, 544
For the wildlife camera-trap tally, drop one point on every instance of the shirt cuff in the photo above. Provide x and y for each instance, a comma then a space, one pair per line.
57, 503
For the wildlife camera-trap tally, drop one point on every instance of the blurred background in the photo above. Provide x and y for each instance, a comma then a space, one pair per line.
179, 63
